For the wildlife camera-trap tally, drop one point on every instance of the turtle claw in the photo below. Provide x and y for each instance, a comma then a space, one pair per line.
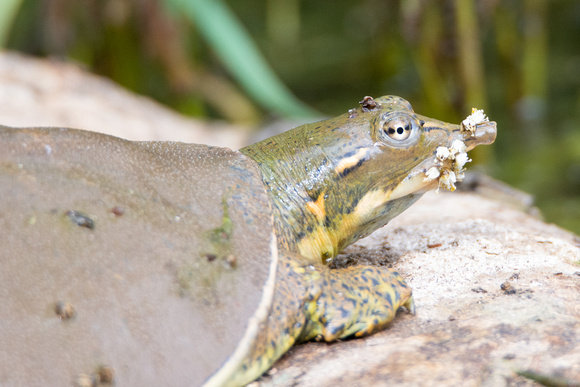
410, 305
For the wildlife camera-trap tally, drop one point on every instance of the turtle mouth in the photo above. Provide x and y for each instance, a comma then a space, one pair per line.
447, 164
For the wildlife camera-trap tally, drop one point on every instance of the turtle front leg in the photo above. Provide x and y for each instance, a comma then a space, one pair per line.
353, 301
312, 300
286, 320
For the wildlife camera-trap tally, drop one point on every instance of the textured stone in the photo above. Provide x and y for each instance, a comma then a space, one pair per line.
456, 250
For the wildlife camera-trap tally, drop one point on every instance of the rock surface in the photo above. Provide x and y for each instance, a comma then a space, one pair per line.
37, 92
496, 292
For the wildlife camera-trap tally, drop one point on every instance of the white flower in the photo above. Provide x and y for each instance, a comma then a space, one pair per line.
457, 146
461, 159
452, 178
442, 153
448, 180
432, 174
476, 117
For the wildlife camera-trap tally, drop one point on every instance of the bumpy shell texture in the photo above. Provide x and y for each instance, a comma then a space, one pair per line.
129, 257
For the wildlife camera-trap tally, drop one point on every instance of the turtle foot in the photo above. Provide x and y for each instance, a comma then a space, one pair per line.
410, 305
355, 301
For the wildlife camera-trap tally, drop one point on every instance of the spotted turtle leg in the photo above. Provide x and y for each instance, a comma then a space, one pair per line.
353, 301
312, 301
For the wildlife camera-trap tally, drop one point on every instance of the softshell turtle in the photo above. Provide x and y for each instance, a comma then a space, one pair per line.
156, 263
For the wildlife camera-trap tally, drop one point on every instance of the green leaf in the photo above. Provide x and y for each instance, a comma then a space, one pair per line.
8, 11
239, 54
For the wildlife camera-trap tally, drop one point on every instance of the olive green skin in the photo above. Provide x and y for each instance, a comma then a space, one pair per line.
340, 161
188, 284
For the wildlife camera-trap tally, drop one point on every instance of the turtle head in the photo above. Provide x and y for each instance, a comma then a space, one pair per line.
336, 181
415, 153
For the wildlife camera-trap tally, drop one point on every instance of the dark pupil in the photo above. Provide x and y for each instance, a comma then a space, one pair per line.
399, 130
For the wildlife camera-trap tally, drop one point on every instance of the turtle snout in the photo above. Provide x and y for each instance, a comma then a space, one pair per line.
484, 134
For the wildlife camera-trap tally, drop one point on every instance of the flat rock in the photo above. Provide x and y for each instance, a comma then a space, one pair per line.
496, 292
44, 92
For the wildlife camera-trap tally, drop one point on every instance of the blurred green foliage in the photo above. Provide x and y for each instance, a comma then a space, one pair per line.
8, 10
517, 59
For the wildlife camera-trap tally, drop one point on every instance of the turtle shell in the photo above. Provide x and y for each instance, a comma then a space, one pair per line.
151, 261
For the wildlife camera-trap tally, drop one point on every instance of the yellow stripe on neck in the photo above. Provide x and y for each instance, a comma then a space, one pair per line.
322, 244
349, 162
317, 208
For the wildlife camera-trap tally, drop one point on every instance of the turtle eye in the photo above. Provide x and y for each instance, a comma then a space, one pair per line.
398, 129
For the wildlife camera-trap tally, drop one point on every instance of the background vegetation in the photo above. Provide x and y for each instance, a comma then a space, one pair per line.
236, 60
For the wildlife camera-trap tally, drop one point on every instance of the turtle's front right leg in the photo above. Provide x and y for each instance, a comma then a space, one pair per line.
354, 301
312, 300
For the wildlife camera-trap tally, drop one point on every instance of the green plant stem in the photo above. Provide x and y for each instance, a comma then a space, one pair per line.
8, 11
239, 54
470, 62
